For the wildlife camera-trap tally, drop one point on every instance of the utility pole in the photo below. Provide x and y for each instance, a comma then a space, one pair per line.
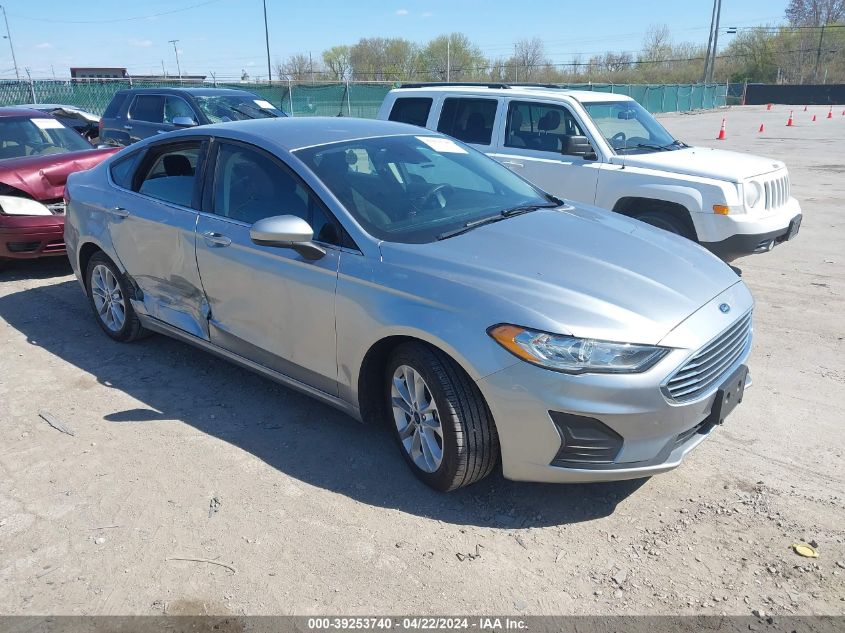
819, 55
709, 44
448, 58
163, 70
9, 37
178, 67
311, 66
715, 41
267, 43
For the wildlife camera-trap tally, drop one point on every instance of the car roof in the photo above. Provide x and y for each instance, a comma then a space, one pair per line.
22, 111
542, 92
292, 133
197, 92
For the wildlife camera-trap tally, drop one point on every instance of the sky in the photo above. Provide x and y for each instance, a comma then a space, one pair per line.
227, 36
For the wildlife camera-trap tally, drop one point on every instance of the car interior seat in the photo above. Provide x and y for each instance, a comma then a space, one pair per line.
475, 130
550, 121
514, 138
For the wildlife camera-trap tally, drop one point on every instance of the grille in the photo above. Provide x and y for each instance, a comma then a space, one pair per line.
777, 191
709, 364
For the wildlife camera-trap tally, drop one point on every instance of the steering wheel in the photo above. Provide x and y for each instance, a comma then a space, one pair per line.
436, 193
618, 139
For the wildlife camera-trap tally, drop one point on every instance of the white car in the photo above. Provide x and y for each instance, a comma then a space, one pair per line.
607, 150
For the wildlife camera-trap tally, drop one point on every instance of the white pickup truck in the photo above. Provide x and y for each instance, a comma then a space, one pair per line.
607, 150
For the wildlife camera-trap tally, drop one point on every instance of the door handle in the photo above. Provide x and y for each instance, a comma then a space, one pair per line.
161, 131
127, 127
216, 239
512, 163
119, 212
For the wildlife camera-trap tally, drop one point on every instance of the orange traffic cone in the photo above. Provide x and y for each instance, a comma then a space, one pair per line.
830, 113
843, 112
814, 118
762, 129
721, 136
768, 106
789, 120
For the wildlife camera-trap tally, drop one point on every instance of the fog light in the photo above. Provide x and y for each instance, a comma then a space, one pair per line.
721, 209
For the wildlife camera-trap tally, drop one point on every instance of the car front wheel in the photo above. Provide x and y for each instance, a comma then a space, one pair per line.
439, 418
108, 294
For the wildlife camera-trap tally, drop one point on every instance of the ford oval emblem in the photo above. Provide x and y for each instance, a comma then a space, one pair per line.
725, 308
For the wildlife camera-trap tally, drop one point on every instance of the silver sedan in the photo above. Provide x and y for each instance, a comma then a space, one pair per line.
405, 278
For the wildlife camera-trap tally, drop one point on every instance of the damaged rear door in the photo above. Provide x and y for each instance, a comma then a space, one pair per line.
153, 229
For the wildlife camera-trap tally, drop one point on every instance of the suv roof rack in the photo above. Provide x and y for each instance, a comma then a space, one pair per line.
475, 84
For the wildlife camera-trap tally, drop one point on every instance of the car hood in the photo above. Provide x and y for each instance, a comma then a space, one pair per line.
44, 177
574, 270
704, 162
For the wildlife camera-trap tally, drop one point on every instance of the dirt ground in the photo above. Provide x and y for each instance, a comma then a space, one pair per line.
289, 507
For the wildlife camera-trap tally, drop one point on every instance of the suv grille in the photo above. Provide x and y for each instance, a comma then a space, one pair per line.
709, 365
777, 191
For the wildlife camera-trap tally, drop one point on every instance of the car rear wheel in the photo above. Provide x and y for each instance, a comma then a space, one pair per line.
108, 294
667, 222
440, 420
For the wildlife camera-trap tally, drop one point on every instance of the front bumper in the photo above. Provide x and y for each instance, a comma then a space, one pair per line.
531, 405
733, 236
28, 237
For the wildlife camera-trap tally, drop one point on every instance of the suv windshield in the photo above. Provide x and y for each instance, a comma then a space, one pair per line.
629, 128
219, 109
24, 136
414, 189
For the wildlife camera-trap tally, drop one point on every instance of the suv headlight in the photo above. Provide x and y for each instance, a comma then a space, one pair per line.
574, 355
753, 193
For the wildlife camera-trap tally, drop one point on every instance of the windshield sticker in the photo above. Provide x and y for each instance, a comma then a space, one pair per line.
48, 124
263, 104
442, 145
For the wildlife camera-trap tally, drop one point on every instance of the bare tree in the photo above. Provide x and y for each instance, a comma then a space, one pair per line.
657, 45
296, 68
815, 12
529, 59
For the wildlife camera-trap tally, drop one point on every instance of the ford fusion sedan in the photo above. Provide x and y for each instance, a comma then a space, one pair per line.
37, 152
406, 278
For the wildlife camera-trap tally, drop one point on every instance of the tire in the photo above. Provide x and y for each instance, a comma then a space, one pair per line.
667, 222
101, 275
468, 442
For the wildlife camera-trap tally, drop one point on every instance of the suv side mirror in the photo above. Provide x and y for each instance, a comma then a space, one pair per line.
183, 121
578, 146
286, 231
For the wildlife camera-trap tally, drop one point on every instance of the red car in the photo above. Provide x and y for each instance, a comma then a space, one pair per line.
37, 152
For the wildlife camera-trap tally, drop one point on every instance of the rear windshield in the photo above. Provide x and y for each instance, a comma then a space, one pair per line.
222, 108
21, 137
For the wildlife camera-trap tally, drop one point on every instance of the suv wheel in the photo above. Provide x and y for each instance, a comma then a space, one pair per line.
108, 294
667, 222
440, 420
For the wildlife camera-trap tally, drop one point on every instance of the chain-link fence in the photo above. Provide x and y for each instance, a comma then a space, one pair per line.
357, 99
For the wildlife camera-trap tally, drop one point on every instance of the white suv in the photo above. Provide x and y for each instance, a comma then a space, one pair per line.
607, 150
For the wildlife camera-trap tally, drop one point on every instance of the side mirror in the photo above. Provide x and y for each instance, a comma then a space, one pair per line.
286, 231
578, 146
183, 121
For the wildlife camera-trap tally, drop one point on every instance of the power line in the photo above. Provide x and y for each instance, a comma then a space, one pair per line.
114, 20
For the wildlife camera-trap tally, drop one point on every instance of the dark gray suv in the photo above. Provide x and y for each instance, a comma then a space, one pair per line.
138, 113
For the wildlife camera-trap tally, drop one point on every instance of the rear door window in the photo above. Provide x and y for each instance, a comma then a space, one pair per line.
469, 120
169, 173
148, 108
413, 110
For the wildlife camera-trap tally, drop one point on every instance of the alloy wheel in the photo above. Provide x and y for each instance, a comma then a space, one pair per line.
108, 298
417, 419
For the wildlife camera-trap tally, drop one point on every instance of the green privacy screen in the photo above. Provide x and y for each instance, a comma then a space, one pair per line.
335, 99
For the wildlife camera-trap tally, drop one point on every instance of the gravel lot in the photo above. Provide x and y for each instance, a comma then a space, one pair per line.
300, 510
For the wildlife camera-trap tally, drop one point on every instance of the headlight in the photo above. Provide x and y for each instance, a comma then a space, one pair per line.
13, 205
753, 193
576, 355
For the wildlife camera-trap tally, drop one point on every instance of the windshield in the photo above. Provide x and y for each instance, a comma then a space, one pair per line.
21, 137
629, 128
220, 109
413, 189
